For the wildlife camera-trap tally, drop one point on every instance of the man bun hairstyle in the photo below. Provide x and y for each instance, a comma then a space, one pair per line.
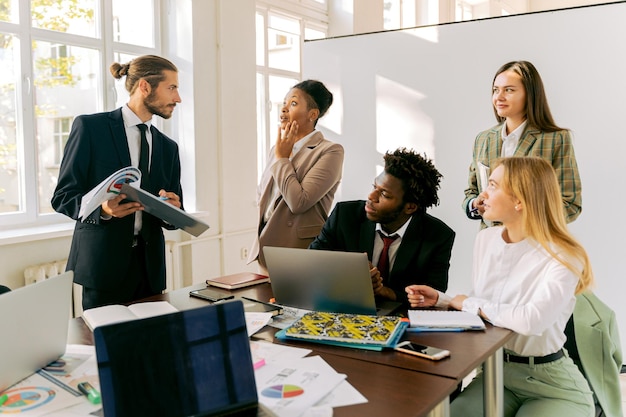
148, 67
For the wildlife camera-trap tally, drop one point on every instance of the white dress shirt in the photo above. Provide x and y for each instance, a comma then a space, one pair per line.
133, 136
521, 287
510, 141
393, 248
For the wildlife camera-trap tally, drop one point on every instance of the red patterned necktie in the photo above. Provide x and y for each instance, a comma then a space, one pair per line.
383, 261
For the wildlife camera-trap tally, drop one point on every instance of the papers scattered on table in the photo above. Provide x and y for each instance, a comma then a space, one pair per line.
290, 388
271, 352
107, 189
54, 393
256, 321
444, 320
288, 317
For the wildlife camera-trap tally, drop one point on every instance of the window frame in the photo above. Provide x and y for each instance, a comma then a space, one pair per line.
29, 214
311, 14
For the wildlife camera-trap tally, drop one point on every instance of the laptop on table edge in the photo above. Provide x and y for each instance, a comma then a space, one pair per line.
34, 326
322, 280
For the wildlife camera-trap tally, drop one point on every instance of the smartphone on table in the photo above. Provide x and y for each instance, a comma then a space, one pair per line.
423, 351
210, 295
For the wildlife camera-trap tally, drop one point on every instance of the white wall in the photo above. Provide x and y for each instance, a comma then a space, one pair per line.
429, 89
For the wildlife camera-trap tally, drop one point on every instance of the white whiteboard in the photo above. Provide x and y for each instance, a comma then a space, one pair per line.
429, 89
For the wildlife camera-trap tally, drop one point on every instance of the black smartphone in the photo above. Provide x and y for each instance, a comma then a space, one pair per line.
423, 351
210, 295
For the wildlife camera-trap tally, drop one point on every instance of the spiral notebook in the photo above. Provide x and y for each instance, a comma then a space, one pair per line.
444, 320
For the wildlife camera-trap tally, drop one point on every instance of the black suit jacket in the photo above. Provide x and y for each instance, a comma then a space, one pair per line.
422, 258
101, 249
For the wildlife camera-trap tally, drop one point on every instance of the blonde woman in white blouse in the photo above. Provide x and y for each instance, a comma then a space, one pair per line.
526, 275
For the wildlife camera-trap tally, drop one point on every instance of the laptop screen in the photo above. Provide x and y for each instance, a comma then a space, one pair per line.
193, 362
321, 280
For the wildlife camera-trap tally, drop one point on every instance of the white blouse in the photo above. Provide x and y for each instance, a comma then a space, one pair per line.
521, 287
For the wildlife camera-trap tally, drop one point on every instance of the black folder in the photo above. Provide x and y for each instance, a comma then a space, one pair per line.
165, 211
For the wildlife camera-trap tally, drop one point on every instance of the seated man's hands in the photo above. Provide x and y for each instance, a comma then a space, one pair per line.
377, 285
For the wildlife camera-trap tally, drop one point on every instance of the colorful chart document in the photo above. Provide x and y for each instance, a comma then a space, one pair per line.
290, 388
107, 189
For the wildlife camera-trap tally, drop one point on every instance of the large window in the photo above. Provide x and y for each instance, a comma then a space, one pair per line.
280, 36
54, 59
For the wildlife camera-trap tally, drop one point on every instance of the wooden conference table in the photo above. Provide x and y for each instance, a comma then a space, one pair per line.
392, 382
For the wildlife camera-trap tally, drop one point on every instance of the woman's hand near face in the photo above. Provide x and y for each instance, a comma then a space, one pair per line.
286, 139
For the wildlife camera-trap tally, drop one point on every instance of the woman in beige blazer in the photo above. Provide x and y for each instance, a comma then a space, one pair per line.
303, 172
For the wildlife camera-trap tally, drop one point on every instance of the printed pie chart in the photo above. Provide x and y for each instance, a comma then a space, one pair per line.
282, 391
26, 398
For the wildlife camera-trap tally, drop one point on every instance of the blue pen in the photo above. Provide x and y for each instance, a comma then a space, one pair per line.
164, 198
434, 329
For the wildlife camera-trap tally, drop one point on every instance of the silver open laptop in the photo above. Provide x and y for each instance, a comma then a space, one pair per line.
35, 321
322, 280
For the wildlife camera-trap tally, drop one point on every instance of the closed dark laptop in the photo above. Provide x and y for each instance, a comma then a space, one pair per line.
320, 280
189, 363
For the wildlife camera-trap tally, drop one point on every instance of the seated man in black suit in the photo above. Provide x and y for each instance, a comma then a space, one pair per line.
421, 244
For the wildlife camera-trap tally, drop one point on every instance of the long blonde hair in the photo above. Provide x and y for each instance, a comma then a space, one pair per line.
533, 181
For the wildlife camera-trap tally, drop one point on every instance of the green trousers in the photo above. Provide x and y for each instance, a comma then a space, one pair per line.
555, 389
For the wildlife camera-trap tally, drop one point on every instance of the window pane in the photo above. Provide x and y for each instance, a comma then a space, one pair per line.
391, 14
121, 95
279, 87
283, 43
284, 24
9, 11
66, 80
10, 171
69, 16
128, 27
310, 34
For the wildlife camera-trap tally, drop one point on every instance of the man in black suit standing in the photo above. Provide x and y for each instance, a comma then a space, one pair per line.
118, 251
406, 244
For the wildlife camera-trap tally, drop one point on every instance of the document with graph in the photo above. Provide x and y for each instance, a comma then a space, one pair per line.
107, 189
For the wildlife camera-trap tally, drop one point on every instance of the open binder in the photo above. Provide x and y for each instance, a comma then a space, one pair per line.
165, 211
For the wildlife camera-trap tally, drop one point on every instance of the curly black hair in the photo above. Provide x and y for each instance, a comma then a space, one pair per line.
420, 179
